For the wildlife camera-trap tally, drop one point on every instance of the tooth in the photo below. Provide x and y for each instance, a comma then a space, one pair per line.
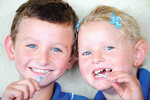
101, 70
99, 75
40, 71
96, 75
107, 70
102, 75
96, 72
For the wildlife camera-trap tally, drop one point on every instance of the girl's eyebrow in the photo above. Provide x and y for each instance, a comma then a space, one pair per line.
29, 39
83, 49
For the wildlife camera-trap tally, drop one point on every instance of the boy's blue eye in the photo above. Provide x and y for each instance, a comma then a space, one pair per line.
86, 53
32, 46
56, 50
109, 48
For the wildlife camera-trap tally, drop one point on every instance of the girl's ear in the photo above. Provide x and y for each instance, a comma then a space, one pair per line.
141, 50
72, 60
9, 47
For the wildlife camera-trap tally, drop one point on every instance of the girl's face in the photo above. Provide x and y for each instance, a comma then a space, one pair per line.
42, 47
102, 50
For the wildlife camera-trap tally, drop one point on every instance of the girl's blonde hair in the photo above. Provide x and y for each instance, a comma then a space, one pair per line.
130, 27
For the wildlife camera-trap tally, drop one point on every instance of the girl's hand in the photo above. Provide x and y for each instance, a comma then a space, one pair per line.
21, 90
131, 89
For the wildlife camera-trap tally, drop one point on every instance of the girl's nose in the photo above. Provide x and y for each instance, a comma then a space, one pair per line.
97, 58
42, 58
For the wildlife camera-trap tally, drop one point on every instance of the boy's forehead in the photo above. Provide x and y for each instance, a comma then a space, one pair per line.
36, 27
30, 21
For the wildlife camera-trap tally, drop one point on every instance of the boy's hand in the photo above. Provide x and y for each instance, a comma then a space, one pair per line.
131, 90
21, 90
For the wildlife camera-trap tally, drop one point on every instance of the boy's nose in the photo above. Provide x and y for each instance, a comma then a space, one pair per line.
42, 58
97, 58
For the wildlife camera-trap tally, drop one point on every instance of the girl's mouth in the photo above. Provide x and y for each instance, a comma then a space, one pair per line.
101, 72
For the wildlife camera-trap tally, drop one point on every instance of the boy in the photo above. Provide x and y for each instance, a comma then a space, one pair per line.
40, 49
111, 50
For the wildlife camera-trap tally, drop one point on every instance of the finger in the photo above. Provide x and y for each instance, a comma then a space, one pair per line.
12, 93
116, 73
118, 88
36, 84
120, 77
127, 79
24, 89
31, 84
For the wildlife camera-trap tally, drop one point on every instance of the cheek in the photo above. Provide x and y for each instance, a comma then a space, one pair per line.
123, 63
61, 67
21, 59
61, 63
83, 67
20, 64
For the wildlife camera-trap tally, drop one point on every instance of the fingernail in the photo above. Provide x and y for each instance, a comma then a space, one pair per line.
38, 89
115, 81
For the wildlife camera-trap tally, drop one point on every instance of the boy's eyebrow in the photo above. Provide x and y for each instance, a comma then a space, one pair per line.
57, 43
29, 39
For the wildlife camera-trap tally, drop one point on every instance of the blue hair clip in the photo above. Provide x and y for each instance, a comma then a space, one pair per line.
115, 20
78, 24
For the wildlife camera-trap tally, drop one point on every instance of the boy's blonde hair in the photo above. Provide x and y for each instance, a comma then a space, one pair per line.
129, 24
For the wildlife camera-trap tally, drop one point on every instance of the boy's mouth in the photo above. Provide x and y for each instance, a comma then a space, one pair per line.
40, 71
101, 72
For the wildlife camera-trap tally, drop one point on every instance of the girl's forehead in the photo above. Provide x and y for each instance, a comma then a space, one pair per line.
101, 32
100, 28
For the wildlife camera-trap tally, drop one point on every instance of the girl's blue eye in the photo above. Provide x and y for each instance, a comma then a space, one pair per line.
32, 46
56, 50
109, 48
86, 53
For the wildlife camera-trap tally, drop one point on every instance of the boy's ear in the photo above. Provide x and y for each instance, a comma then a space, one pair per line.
141, 50
9, 47
72, 60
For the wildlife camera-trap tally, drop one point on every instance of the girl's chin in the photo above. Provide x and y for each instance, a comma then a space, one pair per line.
102, 86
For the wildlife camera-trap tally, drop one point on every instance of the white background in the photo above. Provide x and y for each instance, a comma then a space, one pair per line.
72, 80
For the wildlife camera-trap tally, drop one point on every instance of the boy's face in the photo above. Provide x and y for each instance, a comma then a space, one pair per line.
41, 47
101, 48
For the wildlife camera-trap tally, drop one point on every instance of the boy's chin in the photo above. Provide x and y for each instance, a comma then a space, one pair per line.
44, 83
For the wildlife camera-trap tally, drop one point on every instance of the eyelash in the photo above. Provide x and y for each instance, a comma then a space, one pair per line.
109, 48
56, 50
32, 46
86, 53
